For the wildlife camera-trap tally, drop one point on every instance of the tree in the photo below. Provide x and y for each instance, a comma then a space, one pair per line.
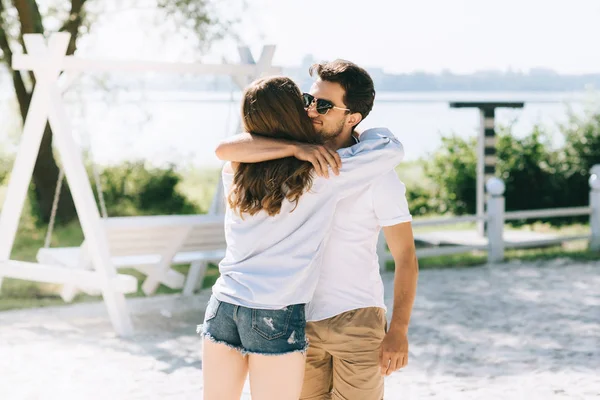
20, 17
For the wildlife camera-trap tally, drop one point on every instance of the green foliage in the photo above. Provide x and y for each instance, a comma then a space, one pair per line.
197, 19
200, 185
452, 172
582, 135
418, 190
5, 165
531, 170
536, 175
134, 189
10, 128
581, 153
420, 200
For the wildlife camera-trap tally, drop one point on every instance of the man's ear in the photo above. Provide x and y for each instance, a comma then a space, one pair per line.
354, 119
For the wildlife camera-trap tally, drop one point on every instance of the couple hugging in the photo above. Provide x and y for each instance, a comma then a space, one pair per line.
299, 304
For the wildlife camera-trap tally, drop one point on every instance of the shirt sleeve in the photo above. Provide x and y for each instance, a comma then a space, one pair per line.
389, 200
377, 153
227, 177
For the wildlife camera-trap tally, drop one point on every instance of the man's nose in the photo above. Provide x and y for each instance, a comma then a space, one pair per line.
312, 111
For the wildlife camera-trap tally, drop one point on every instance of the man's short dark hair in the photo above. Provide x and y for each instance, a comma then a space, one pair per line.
356, 82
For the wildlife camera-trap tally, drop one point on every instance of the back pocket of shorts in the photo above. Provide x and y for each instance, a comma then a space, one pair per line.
211, 309
272, 324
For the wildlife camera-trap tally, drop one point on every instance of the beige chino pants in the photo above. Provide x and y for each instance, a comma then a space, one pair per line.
343, 356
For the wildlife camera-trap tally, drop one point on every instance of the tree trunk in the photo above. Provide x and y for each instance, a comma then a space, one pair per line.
45, 179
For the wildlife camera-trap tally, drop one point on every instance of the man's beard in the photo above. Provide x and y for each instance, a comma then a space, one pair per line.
331, 134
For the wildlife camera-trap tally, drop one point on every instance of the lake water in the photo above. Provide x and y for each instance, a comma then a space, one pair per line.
184, 127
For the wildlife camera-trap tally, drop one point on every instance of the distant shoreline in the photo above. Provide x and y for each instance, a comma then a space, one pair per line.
135, 93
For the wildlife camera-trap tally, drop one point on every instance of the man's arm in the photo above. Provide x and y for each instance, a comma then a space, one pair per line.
377, 153
249, 148
394, 348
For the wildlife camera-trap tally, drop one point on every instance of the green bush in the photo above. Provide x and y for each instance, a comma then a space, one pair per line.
418, 190
536, 175
581, 153
419, 200
6, 162
452, 170
134, 189
531, 170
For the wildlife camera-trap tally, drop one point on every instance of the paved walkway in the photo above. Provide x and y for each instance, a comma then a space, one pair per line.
514, 331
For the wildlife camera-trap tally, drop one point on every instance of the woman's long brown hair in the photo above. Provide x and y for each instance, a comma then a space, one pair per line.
273, 107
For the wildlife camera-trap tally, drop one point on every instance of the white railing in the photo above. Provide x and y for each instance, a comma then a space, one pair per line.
448, 221
547, 213
496, 216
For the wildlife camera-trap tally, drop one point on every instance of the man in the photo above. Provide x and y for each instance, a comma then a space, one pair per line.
350, 351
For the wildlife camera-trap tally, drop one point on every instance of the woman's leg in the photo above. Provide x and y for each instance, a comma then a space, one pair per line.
276, 342
224, 370
276, 377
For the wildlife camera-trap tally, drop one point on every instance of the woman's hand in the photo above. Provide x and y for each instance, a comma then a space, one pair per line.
320, 157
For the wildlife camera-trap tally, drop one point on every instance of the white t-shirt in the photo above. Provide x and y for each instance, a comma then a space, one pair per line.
349, 277
273, 262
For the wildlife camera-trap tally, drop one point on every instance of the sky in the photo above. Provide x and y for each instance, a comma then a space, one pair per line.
432, 35
462, 36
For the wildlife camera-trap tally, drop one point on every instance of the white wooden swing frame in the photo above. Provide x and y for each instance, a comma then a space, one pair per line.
48, 61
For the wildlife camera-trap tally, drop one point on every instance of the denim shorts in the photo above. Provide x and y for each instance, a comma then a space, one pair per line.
253, 330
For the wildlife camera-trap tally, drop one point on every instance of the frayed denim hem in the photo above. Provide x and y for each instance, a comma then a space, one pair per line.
301, 351
208, 336
244, 352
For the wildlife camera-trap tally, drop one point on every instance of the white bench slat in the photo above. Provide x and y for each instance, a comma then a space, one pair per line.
69, 257
58, 274
142, 242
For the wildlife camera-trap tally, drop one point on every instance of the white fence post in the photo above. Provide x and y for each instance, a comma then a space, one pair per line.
495, 212
595, 205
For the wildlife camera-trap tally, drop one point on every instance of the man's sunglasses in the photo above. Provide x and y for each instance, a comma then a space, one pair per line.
321, 105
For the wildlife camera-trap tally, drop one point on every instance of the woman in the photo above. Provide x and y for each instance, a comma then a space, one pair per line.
277, 219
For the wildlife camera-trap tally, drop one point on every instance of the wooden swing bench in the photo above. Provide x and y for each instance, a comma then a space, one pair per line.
150, 245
